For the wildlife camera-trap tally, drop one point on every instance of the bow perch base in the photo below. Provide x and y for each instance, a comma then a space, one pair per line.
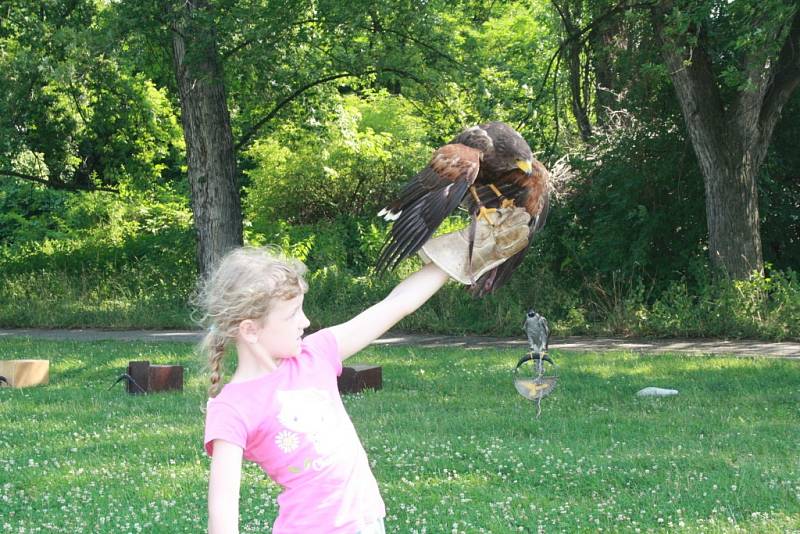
539, 385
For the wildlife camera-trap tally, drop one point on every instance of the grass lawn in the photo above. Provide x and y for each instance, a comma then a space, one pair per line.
453, 446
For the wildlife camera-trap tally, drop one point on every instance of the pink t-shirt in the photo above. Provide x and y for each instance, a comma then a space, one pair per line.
293, 424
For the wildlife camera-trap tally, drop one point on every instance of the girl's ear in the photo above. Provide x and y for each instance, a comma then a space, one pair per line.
248, 331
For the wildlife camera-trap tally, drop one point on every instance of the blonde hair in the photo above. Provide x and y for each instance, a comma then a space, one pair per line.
245, 285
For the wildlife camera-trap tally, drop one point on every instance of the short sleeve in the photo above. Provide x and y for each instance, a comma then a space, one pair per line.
322, 344
223, 421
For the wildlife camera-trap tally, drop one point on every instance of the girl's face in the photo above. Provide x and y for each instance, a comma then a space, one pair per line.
283, 329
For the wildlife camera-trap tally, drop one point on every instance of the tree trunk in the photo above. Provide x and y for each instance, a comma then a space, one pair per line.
731, 142
734, 239
734, 234
607, 41
570, 11
214, 187
728, 168
578, 87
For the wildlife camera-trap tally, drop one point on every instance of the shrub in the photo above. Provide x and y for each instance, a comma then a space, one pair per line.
762, 306
119, 261
635, 206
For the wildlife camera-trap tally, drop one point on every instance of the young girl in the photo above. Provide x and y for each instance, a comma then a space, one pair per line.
281, 408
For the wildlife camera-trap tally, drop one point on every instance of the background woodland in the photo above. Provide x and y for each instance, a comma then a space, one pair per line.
141, 140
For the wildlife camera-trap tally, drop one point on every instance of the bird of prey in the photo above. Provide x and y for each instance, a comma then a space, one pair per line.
483, 168
537, 330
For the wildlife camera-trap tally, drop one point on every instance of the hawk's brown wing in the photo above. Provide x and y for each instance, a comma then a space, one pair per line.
432, 195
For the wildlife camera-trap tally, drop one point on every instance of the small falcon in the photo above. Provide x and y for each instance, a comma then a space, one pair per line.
538, 332
485, 167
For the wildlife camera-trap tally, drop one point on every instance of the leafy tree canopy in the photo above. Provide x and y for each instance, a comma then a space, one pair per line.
71, 115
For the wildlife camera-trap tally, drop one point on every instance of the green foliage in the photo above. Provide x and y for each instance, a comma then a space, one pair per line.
346, 243
348, 165
738, 34
512, 49
779, 192
106, 260
89, 99
29, 212
635, 206
72, 114
761, 306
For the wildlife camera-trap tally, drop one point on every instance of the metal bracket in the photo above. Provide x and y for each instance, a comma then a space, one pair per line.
129, 378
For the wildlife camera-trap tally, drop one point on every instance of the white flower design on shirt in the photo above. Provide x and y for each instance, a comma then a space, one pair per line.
287, 441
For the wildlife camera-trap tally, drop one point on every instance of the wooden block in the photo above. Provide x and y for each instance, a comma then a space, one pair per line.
166, 377
149, 378
140, 373
25, 373
355, 378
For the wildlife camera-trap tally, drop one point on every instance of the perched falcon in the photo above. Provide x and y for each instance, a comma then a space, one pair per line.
485, 167
538, 332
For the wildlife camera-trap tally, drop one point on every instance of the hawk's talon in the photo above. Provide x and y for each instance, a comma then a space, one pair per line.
505, 202
483, 213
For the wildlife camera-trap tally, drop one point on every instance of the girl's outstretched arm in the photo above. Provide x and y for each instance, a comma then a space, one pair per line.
494, 241
404, 299
223, 488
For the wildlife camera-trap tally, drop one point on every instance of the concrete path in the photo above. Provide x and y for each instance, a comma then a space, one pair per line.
741, 348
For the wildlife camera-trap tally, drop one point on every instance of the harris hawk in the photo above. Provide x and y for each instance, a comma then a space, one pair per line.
483, 168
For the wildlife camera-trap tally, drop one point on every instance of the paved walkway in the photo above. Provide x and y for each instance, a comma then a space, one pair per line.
742, 348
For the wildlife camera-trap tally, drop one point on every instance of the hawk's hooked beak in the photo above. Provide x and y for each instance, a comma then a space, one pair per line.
526, 166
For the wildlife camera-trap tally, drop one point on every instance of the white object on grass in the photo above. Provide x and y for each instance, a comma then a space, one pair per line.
656, 392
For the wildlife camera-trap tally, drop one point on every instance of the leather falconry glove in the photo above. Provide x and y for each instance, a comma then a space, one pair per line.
494, 243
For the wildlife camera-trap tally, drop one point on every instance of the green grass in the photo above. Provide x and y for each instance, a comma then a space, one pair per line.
453, 447
46, 299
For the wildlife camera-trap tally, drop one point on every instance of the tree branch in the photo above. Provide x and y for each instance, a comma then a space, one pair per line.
55, 184
555, 112
247, 42
247, 137
695, 86
785, 80
760, 71
425, 45
580, 36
